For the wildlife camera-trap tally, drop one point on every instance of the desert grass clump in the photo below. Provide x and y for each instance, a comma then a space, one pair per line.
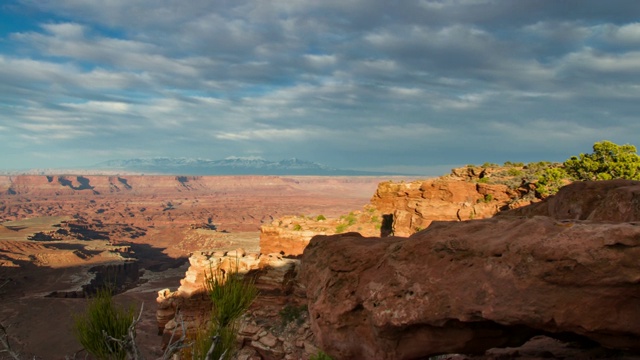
231, 295
102, 319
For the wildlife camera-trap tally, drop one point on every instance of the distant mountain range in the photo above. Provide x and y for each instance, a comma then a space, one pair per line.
228, 166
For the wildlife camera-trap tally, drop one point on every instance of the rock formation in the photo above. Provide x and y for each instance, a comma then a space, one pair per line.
614, 200
403, 208
465, 287
289, 235
465, 194
274, 277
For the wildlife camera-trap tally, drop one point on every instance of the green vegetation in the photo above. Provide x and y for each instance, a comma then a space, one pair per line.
351, 218
551, 180
292, 313
297, 227
515, 172
321, 355
101, 317
512, 164
608, 161
341, 228
345, 222
231, 295
320, 218
487, 198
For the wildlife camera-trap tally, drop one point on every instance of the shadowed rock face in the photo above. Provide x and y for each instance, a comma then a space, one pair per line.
465, 287
615, 200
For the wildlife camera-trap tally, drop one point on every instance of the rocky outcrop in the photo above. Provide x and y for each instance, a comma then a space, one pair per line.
465, 287
615, 200
262, 332
285, 240
463, 195
403, 208
289, 235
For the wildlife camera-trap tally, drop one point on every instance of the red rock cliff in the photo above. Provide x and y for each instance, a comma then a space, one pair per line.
464, 287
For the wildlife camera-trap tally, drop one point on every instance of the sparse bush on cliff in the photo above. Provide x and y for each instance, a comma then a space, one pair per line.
231, 295
513, 164
551, 180
291, 313
321, 355
101, 317
341, 228
608, 161
297, 227
320, 218
489, 165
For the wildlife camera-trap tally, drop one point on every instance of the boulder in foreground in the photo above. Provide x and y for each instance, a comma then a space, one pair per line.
465, 287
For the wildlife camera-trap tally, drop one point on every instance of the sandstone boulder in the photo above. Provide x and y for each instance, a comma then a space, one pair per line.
614, 200
465, 287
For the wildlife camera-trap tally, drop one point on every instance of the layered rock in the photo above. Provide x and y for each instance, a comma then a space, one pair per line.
465, 287
460, 196
259, 338
289, 235
403, 208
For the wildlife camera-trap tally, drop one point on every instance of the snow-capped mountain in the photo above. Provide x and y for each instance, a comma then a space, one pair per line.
229, 166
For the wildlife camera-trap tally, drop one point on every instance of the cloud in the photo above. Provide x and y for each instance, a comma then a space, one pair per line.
352, 84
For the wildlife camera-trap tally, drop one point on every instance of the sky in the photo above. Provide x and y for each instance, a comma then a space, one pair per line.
409, 86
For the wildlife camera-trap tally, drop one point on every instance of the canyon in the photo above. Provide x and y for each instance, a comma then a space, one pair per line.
471, 265
61, 236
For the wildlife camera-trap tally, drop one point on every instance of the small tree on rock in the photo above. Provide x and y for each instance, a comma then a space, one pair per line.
608, 161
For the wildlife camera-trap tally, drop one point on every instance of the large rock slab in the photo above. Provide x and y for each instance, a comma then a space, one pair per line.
464, 287
614, 200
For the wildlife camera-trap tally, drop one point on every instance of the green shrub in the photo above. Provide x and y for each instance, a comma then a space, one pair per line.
297, 227
231, 295
321, 355
341, 228
351, 218
226, 341
483, 180
550, 181
608, 161
102, 315
513, 164
514, 172
537, 166
488, 198
489, 165
320, 218
292, 313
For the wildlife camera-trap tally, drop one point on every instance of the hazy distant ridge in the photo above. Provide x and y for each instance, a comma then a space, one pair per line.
228, 166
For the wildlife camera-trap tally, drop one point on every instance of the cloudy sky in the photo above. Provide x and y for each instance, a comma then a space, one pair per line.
417, 86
